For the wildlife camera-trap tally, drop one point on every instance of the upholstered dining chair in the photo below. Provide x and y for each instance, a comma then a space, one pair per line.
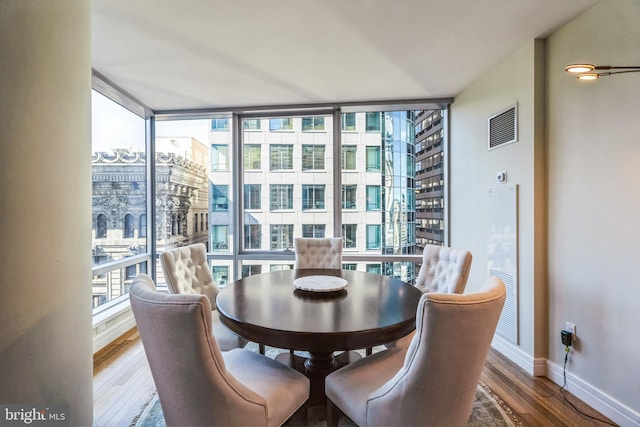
445, 270
434, 381
187, 271
197, 383
322, 253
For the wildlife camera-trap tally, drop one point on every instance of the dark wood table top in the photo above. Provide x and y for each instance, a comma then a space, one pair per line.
268, 309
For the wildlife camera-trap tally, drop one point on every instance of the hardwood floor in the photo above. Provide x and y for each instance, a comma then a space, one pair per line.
122, 384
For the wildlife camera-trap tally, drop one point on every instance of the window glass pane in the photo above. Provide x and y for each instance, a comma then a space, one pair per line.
119, 194
349, 157
252, 159
313, 157
220, 275
219, 157
219, 197
373, 237
251, 124
281, 157
348, 122
349, 236
293, 196
281, 196
373, 159
312, 197
281, 124
312, 124
349, 196
252, 196
373, 198
192, 195
373, 122
220, 124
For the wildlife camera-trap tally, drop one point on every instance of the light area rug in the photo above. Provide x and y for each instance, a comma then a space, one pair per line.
489, 410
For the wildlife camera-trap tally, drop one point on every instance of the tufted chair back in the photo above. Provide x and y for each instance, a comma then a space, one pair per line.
444, 270
433, 382
197, 383
187, 271
318, 252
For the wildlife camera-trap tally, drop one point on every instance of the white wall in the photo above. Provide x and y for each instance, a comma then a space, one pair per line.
577, 165
45, 205
594, 202
474, 169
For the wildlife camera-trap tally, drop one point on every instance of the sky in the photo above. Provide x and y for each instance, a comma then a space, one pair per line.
116, 127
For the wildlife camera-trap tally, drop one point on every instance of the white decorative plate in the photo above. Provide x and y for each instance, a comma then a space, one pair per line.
320, 283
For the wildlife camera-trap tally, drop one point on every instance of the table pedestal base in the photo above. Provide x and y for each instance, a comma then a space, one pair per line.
316, 368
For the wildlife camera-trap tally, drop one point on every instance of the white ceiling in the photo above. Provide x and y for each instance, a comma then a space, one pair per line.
191, 54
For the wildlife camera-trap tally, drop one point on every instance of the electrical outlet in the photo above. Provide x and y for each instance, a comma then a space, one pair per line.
570, 327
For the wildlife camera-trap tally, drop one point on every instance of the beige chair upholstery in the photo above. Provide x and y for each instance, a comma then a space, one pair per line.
198, 384
433, 382
187, 271
318, 252
443, 270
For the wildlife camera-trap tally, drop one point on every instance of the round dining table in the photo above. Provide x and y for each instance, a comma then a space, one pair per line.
356, 310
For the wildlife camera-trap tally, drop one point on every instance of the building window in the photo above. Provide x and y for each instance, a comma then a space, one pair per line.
348, 157
142, 226
219, 157
195, 222
373, 198
374, 237
128, 226
219, 197
350, 266
372, 122
349, 236
349, 196
220, 238
252, 160
312, 197
348, 122
281, 196
374, 268
312, 124
281, 124
253, 236
281, 236
313, 230
373, 159
252, 194
220, 124
250, 270
281, 157
313, 157
220, 274
131, 272
101, 227
251, 124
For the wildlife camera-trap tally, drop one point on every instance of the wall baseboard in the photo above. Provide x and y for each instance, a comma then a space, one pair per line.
595, 398
584, 391
112, 329
533, 366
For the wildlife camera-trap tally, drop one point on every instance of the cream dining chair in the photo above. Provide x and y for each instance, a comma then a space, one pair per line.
325, 252
434, 381
444, 270
197, 383
186, 271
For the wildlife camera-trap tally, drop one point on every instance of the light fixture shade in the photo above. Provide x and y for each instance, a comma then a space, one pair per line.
588, 76
579, 68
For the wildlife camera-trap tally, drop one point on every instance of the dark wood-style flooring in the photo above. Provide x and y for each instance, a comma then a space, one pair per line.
122, 384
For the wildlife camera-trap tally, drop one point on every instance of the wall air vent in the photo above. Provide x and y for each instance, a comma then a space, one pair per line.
503, 127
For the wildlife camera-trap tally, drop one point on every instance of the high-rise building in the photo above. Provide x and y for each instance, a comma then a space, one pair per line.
430, 169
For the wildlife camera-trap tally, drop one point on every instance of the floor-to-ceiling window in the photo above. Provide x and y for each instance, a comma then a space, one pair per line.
119, 199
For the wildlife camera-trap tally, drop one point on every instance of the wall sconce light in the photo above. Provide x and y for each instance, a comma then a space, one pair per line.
594, 72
